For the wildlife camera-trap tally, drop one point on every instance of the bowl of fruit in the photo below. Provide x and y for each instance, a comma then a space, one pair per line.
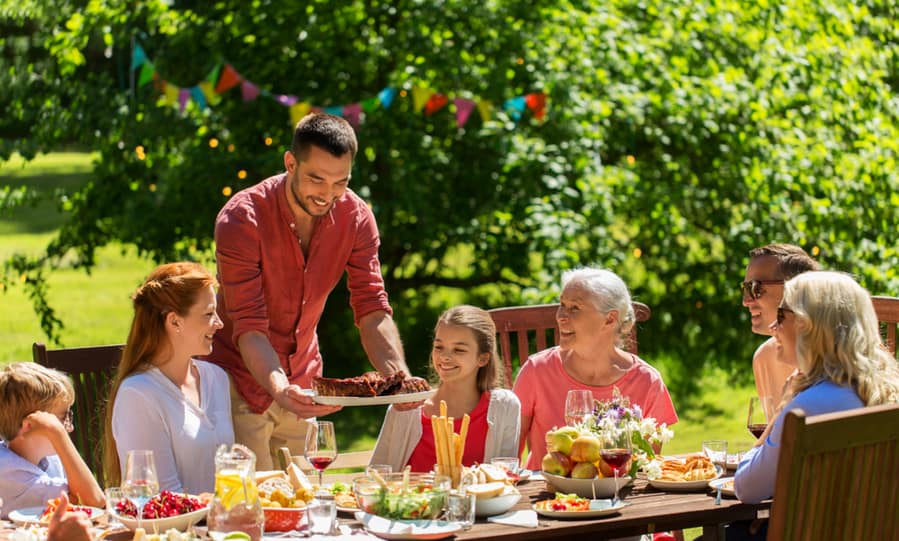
402, 496
167, 510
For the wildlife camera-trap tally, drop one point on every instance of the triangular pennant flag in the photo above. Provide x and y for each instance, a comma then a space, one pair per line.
248, 91
420, 96
213, 76
211, 97
197, 94
183, 98
370, 104
334, 110
386, 96
138, 57
435, 103
485, 108
353, 113
171, 94
229, 79
287, 101
537, 103
146, 74
515, 106
297, 112
463, 109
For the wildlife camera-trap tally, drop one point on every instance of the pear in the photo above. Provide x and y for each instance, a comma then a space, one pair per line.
561, 439
583, 470
586, 448
557, 464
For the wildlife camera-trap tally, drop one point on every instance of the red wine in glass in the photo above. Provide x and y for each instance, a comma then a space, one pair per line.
320, 462
757, 429
616, 458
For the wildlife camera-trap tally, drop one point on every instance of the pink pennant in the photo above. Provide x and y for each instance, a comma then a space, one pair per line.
464, 108
249, 91
183, 97
352, 113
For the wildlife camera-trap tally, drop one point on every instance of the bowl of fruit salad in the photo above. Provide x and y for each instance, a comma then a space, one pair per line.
402, 496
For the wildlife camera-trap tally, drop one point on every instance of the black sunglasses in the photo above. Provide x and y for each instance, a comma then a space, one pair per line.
781, 314
754, 289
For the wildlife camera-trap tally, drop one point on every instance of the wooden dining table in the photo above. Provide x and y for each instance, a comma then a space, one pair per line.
649, 510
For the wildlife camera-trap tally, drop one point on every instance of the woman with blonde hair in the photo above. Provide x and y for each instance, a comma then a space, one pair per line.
826, 324
162, 398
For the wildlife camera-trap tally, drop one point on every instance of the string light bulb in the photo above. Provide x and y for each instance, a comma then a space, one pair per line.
268, 141
231, 147
816, 251
213, 142
638, 252
226, 191
242, 174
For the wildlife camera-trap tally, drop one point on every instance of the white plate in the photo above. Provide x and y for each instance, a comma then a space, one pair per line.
605, 486
180, 522
32, 515
349, 510
407, 529
723, 483
590, 513
681, 486
373, 400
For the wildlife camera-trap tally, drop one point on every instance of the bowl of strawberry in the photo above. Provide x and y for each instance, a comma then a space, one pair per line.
164, 511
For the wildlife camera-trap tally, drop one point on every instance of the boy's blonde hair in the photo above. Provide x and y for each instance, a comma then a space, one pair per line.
28, 387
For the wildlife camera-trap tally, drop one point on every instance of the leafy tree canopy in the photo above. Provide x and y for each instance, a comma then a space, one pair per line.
679, 135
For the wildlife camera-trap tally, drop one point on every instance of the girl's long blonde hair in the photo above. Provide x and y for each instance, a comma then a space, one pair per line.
173, 287
838, 337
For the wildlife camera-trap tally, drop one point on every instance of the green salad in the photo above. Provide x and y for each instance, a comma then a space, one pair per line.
421, 502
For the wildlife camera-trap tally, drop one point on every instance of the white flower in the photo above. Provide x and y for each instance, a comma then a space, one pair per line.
653, 469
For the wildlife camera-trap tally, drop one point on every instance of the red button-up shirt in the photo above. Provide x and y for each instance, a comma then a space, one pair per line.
267, 285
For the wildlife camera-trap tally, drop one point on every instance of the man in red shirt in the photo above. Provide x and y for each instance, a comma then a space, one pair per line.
281, 247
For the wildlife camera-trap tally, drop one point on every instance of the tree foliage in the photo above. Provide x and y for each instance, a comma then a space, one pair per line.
679, 135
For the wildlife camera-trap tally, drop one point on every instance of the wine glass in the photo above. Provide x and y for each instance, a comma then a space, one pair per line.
616, 451
578, 405
759, 410
321, 446
140, 484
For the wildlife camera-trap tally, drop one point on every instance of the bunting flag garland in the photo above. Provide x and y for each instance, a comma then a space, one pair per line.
224, 77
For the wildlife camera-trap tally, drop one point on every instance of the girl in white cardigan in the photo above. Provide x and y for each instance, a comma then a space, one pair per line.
464, 357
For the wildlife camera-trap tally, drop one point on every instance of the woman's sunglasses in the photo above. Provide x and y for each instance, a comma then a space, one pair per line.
754, 289
781, 314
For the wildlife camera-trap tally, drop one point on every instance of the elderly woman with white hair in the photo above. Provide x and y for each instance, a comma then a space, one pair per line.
826, 325
595, 317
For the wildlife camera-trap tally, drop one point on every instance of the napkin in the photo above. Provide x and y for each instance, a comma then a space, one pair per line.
524, 518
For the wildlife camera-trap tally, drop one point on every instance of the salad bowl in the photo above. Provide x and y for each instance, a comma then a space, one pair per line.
413, 497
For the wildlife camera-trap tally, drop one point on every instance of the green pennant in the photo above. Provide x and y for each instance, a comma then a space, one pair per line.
213, 76
370, 104
146, 73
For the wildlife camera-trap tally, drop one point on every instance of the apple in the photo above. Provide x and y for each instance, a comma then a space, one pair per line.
557, 463
604, 469
583, 470
561, 439
586, 448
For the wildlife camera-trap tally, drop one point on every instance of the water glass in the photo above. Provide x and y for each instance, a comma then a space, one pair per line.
508, 463
460, 508
716, 450
114, 495
322, 514
578, 406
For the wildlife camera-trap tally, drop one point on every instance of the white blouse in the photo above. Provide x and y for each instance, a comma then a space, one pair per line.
151, 412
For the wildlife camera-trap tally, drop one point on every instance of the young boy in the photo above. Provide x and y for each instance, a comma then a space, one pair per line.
37, 458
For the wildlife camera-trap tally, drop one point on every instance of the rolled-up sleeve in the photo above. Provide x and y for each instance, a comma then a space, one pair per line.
364, 280
239, 260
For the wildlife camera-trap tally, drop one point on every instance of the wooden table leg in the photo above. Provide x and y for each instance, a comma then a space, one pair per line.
713, 532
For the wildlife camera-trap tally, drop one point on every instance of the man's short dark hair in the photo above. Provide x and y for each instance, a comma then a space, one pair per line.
791, 259
329, 132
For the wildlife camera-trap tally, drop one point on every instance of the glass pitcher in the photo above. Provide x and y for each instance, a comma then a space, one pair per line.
235, 505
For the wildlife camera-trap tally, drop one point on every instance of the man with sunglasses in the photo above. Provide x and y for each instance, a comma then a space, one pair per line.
769, 267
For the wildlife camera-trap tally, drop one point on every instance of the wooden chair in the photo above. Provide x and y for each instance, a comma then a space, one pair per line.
887, 309
837, 476
539, 320
91, 368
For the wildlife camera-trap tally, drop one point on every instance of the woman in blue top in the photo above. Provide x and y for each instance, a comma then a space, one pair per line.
826, 324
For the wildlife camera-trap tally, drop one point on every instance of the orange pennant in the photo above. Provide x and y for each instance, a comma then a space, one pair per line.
229, 79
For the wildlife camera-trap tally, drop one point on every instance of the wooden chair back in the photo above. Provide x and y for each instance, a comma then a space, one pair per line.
837, 476
887, 309
91, 368
355, 461
534, 329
